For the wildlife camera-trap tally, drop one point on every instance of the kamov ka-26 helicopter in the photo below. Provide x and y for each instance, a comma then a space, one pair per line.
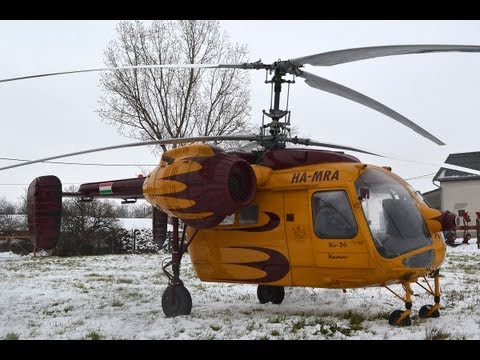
278, 216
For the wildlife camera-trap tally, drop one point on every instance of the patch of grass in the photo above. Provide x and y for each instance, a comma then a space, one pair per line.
12, 336
215, 327
383, 315
275, 333
117, 303
48, 312
258, 309
124, 281
470, 280
155, 313
81, 287
298, 325
100, 277
93, 275
93, 335
342, 330
250, 326
436, 334
330, 328
244, 297
78, 322
66, 309
355, 319
316, 320
33, 333
454, 296
199, 287
277, 319
133, 295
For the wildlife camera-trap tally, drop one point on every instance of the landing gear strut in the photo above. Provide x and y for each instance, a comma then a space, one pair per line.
427, 311
402, 317
176, 299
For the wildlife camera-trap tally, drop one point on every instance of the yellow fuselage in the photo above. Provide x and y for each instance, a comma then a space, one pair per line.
256, 222
239, 252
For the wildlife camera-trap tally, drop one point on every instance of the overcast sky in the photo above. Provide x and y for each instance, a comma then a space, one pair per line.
50, 116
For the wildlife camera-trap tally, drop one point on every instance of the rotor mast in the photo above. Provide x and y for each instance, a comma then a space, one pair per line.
277, 129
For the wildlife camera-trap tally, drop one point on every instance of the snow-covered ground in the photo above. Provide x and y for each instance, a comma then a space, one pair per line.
119, 297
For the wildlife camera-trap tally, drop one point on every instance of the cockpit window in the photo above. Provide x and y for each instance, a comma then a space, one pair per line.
332, 215
396, 225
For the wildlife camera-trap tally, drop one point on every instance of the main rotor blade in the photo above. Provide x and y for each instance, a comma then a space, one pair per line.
308, 142
163, 66
439, 165
343, 91
142, 143
349, 55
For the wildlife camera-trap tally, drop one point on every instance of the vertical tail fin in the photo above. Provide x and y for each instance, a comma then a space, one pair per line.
44, 211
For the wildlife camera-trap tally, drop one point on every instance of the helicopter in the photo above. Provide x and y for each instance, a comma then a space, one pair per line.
278, 216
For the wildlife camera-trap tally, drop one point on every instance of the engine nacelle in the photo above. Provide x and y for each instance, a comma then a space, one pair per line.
200, 184
44, 211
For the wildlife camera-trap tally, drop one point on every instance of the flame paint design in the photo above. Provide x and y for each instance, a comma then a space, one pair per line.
276, 266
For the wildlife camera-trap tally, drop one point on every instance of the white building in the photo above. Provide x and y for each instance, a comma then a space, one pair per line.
458, 190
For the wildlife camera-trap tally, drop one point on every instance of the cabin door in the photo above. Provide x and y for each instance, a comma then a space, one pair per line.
298, 227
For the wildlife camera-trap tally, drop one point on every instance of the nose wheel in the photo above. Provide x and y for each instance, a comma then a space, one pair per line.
431, 311
402, 317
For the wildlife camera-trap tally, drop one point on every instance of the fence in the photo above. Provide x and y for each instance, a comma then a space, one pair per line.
450, 236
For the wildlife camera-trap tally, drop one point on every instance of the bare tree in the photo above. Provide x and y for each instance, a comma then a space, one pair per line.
88, 227
6, 207
10, 221
151, 104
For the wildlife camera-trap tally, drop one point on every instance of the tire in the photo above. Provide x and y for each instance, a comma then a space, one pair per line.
394, 316
274, 294
423, 312
263, 294
176, 301
278, 294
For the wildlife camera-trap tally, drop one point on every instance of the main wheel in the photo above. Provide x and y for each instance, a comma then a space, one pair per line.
423, 313
394, 316
176, 300
274, 294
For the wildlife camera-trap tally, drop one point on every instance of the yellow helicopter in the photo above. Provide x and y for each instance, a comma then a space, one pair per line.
279, 216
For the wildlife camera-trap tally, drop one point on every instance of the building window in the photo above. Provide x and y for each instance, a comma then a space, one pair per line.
332, 215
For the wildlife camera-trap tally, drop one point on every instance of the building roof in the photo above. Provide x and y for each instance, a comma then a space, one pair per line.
432, 192
470, 160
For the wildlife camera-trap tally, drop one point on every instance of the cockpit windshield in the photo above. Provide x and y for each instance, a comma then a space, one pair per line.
395, 222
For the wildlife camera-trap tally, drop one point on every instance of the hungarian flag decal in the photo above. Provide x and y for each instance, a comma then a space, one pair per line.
105, 188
